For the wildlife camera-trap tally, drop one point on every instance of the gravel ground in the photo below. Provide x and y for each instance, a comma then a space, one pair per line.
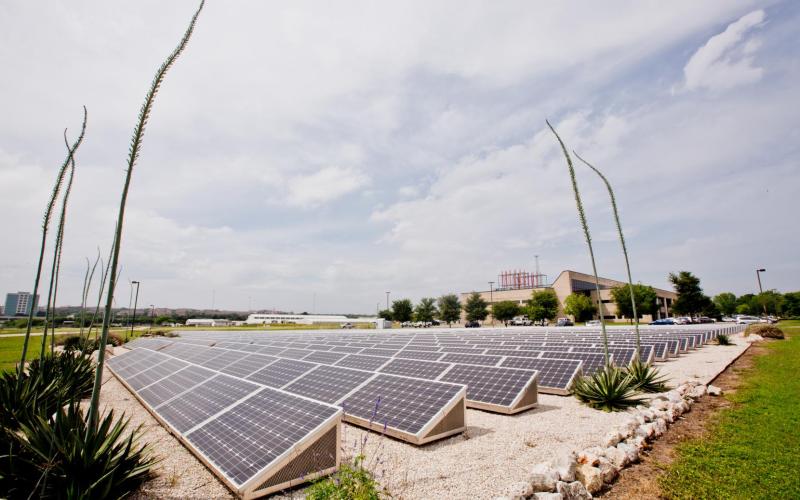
495, 451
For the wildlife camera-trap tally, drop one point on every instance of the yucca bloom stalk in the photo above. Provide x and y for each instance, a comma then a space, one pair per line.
45, 226
585, 226
133, 155
50, 311
624, 248
87, 285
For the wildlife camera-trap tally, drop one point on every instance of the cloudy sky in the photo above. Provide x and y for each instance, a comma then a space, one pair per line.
312, 156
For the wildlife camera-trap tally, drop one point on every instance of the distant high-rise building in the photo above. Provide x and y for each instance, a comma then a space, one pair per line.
20, 304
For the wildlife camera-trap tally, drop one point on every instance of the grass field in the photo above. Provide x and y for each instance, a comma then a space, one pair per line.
752, 448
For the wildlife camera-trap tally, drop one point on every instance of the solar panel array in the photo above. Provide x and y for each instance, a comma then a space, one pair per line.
253, 437
263, 411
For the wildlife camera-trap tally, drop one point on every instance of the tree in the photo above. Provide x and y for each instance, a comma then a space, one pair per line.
691, 300
426, 310
506, 310
580, 306
449, 308
791, 304
726, 303
385, 314
746, 304
769, 301
645, 300
543, 305
475, 307
402, 310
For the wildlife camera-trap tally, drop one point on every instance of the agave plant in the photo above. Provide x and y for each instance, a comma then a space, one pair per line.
585, 226
608, 389
723, 339
646, 377
624, 247
133, 155
64, 457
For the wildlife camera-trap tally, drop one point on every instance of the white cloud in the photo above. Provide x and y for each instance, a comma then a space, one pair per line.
726, 60
324, 186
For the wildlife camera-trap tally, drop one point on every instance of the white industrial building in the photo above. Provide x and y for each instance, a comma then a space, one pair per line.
208, 322
311, 319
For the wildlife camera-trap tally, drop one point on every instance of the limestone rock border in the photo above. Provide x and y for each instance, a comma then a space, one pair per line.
580, 475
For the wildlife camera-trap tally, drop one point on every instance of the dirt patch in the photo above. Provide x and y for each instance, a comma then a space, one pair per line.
640, 481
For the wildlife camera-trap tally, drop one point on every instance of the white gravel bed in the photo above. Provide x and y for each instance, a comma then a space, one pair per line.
495, 451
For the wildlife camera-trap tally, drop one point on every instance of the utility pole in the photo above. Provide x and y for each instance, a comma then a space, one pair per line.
135, 302
491, 301
387, 300
761, 290
152, 315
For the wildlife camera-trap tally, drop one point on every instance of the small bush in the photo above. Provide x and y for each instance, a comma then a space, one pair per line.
115, 340
724, 339
351, 482
646, 377
62, 457
609, 389
765, 330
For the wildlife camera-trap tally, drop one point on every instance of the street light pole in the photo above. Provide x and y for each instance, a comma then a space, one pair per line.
152, 315
761, 290
491, 301
387, 300
136, 301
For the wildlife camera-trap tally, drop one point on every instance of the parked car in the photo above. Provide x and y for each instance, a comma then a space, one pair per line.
682, 320
564, 322
593, 322
703, 319
472, 324
728, 319
663, 321
521, 321
347, 325
747, 320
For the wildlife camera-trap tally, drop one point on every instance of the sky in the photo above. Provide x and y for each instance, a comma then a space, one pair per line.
309, 156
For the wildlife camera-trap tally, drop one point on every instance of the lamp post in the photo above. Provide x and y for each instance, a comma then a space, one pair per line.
136, 301
152, 315
387, 300
491, 301
760, 290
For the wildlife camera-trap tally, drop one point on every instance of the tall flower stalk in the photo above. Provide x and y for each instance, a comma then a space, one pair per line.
52, 294
87, 285
585, 226
133, 155
624, 248
45, 227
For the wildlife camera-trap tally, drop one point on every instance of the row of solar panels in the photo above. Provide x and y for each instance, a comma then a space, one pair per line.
556, 371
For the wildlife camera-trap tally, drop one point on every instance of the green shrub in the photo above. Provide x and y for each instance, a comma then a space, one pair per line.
351, 482
609, 389
63, 457
765, 330
723, 339
646, 378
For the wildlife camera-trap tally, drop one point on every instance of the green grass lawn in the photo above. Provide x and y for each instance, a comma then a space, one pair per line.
751, 449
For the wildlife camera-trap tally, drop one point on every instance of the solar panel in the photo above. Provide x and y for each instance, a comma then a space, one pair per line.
156, 373
328, 383
407, 408
414, 368
347, 349
256, 432
203, 401
175, 384
422, 355
248, 364
555, 375
222, 359
499, 389
324, 357
360, 362
379, 352
591, 361
294, 353
281, 372
471, 359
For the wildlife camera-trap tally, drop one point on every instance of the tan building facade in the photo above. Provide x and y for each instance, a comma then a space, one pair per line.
569, 282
